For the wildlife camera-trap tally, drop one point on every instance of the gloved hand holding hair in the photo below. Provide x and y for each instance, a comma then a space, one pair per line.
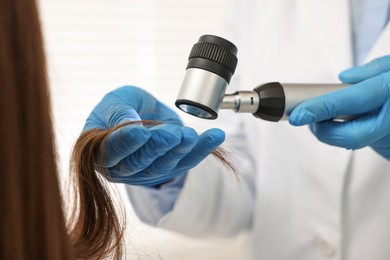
139, 155
368, 99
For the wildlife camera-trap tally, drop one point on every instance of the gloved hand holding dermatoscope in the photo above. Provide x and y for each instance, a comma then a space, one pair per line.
212, 63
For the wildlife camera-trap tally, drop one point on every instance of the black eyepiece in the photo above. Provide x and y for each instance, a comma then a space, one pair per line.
214, 54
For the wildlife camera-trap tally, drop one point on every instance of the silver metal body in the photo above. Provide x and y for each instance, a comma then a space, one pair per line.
241, 101
296, 93
203, 93
203, 87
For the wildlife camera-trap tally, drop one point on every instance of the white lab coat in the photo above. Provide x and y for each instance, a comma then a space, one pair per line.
297, 197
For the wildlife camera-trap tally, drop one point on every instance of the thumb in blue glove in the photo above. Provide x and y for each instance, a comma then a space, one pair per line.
139, 155
368, 99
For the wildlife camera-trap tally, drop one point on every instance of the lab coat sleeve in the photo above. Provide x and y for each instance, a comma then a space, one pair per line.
151, 204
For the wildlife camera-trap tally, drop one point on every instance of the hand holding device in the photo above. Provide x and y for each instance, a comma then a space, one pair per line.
368, 99
139, 155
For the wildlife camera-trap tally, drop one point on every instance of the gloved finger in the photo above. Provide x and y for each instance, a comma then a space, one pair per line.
146, 105
124, 142
353, 134
144, 178
108, 115
207, 143
162, 113
353, 100
162, 139
169, 160
148, 177
163, 168
129, 104
369, 70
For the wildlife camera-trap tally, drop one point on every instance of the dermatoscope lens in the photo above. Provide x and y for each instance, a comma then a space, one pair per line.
211, 65
198, 110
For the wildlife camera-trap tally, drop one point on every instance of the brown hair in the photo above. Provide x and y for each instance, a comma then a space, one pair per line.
97, 230
32, 222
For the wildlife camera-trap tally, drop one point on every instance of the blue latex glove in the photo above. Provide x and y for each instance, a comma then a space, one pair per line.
368, 98
139, 155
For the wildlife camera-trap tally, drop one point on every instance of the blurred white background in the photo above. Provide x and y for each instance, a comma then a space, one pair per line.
96, 46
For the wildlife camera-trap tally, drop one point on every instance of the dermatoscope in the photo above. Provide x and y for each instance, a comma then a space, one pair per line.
211, 64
